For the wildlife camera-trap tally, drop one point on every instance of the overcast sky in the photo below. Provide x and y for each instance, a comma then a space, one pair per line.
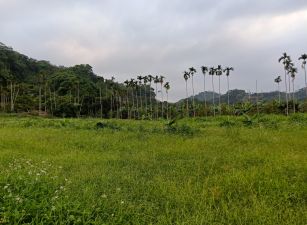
159, 37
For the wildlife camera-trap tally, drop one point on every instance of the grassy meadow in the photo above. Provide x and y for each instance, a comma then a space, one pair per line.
227, 170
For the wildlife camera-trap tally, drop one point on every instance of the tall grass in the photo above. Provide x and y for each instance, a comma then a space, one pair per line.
198, 171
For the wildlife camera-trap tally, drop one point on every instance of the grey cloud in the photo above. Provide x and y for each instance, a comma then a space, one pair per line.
128, 38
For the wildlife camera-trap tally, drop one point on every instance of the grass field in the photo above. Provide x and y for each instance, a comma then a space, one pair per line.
197, 171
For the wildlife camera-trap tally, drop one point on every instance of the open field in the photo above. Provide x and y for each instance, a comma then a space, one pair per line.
197, 171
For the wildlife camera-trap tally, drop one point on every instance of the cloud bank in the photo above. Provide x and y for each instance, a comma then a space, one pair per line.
128, 38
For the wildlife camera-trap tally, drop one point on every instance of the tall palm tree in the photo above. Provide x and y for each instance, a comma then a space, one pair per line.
112, 83
212, 73
145, 79
186, 76
156, 81
167, 88
140, 78
192, 72
204, 70
219, 73
292, 72
161, 81
289, 66
278, 80
304, 58
150, 79
227, 72
135, 85
127, 84
285, 59
132, 84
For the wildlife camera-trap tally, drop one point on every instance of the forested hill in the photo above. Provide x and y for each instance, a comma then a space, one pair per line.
237, 96
29, 85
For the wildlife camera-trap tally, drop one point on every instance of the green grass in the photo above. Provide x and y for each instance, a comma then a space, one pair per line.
198, 171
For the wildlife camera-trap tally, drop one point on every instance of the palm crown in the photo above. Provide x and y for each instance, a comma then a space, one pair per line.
167, 86
278, 79
227, 70
212, 71
219, 70
186, 75
204, 69
304, 58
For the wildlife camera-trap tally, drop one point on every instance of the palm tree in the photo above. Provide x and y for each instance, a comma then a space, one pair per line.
204, 70
289, 65
186, 76
150, 79
127, 83
145, 79
156, 81
278, 80
227, 71
192, 72
135, 85
304, 58
112, 83
161, 80
285, 59
132, 84
219, 73
167, 88
212, 73
140, 78
293, 71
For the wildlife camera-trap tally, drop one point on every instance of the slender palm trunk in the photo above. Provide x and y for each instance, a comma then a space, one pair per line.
305, 80
162, 102
39, 100
194, 114
287, 100
50, 99
100, 100
157, 107
279, 92
213, 99
293, 96
228, 99
257, 98
167, 105
187, 96
1, 97
121, 101
111, 103
127, 104
12, 97
137, 103
150, 101
141, 101
145, 95
289, 82
133, 105
116, 104
45, 96
205, 97
220, 107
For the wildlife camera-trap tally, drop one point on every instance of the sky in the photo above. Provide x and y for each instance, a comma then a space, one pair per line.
125, 39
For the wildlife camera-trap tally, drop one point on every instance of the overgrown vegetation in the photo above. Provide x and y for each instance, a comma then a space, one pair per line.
189, 171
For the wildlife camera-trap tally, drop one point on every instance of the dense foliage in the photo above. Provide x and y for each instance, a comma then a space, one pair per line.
28, 85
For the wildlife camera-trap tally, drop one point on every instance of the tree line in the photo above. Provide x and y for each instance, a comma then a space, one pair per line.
38, 87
